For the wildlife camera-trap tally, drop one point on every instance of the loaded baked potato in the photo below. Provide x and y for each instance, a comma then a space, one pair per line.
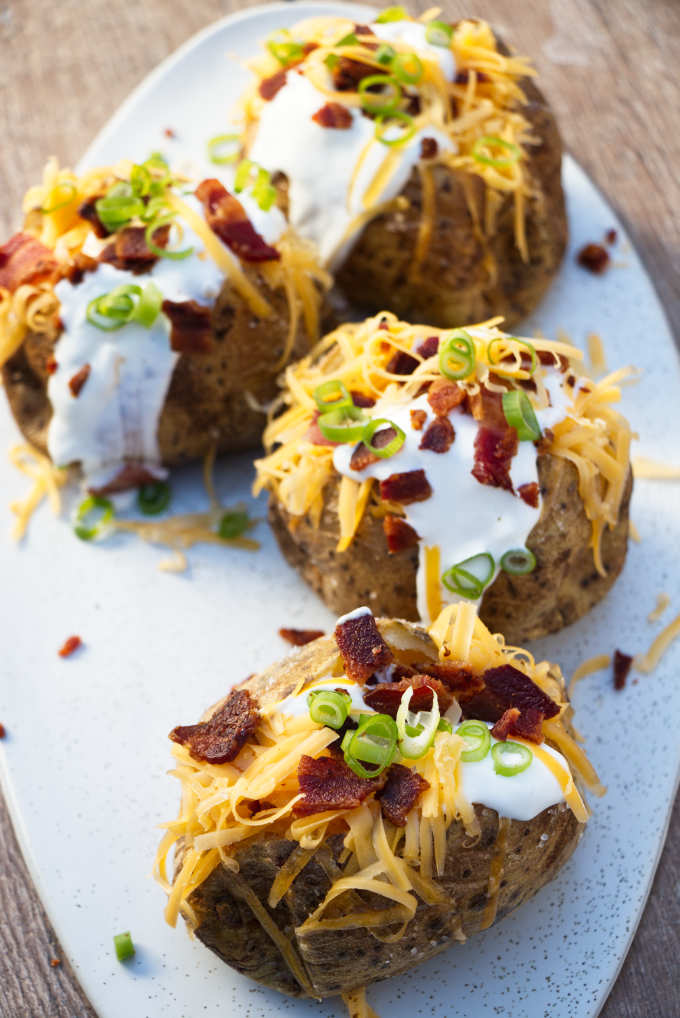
335, 808
420, 158
144, 318
467, 463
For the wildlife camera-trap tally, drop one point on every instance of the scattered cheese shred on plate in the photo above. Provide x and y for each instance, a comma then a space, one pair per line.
662, 602
592, 664
655, 470
647, 662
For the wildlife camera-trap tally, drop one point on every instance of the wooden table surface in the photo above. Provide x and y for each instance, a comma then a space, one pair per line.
610, 69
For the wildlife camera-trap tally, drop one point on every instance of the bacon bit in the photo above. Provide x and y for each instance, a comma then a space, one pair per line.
51, 365
55, 962
300, 637
227, 218
80, 264
328, 783
88, 212
360, 399
170, 132
611, 236
501, 729
401, 363
486, 407
418, 418
348, 73
334, 116
384, 325
493, 455
190, 326
363, 30
463, 76
622, 665
362, 456
550, 360
505, 687
428, 148
402, 790
428, 348
70, 646
222, 738
400, 535
412, 486
593, 257
78, 380
3, 731
315, 434
129, 250
525, 724
459, 679
529, 494
444, 396
274, 83
386, 697
23, 259
131, 475
362, 647
439, 436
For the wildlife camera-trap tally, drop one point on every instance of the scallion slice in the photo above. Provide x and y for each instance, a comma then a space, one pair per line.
249, 172
385, 102
92, 517
224, 148
164, 252
483, 148
332, 395
457, 356
520, 415
383, 123
233, 524
391, 14
407, 68
373, 742
469, 577
348, 40
393, 446
118, 207
510, 758
61, 194
345, 425
125, 949
475, 735
385, 54
284, 48
124, 304
518, 562
154, 497
515, 339
329, 707
438, 33
416, 731
445, 726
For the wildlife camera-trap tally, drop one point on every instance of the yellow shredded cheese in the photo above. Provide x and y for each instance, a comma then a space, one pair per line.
644, 468
596, 354
47, 480
592, 664
647, 662
662, 602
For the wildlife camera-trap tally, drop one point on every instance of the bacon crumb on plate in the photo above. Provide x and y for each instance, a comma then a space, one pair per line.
70, 646
593, 257
3, 731
621, 666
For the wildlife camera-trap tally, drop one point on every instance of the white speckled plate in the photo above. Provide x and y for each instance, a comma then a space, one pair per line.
86, 754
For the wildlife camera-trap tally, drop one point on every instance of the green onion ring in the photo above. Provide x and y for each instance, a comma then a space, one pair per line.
324, 396
233, 524
457, 356
62, 185
382, 123
391, 14
118, 207
113, 310
500, 751
125, 949
515, 339
520, 415
215, 148
407, 68
140, 180
90, 506
385, 54
488, 142
263, 192
416, 731
518, 562
283, 48
385, 103
445, 726
476, 736
164, 252
393, 446
438, 33
154, 497
373, 742
348, 40
345, 425
329, 707
469, 577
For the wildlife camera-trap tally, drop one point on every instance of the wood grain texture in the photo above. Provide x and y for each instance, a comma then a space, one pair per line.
609, 67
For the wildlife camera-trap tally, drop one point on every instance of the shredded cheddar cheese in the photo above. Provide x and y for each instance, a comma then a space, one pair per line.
592, 664
662, 602
647, 662
47, 481
654, 470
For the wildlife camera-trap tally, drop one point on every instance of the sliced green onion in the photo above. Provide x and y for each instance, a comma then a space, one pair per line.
469, 577
385, 102
518, 562
283, 48
125, 949
445, 726
391, 14
57, 192
156, 161
490, 141
154, 497
438, 33
328, 707
510, 758
407, 68
244, 172
233, 524
520, 415
385, 54
92, 516
475, 735
224, 148
263, 191
348, 40
118, 207
345, 425
148, 306
416, 731
515, 339
332, 395
457, 356
126, 303
164, 252
141, 180
331, 61
373, 742
382, 123
393, 446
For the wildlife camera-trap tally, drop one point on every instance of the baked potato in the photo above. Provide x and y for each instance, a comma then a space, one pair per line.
303, 892
213, 322
358, 535
421, 159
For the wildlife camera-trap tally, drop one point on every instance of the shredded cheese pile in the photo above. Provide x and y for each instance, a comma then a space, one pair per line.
593, 436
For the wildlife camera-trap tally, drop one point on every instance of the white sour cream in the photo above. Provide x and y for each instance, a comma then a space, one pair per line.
297, 706
412, 34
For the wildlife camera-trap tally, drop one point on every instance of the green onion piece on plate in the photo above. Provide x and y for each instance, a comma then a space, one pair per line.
407, 68
125, 949
518, 562
391, 14
373, 742
469, 577
457, 356
379, 424
92, 517
329, 707
62, 194
475, 735
483, 148
154, 497
416, 731
386, 101
224, 148
384, 123
510, 758
520, 415
345, 425
438, 33
332, 395
233, 525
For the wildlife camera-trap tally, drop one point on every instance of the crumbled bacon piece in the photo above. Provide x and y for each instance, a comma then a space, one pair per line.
402, 790
361, 399
227, 218
170, 132
51, 365
348, 73
190, 328
222, 738
23, 259
131, 475
418, 418
362, 647
386, 697
3, 731
69, 646
622, 665
362, 456
458, 678
505, 686
493, 455
463, 76
300, 637
274, 83
486, 406
552, 360
55, 962
400, 535
501, 729
439, 436
401, 363
77, 381
88, 211
611, 236
80, 264
328, 783
593, 257
428, 347
411, 486
334, 116
529, 494
525, 724
444, 396
383, 325
428, 148
363, 30
128, 250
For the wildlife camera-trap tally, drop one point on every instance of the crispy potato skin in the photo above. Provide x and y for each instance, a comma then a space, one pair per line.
465, 277
227, 925
205, 404
564, 586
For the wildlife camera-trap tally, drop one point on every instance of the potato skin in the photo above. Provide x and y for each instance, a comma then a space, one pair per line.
533, 854
205, 404
564, 586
